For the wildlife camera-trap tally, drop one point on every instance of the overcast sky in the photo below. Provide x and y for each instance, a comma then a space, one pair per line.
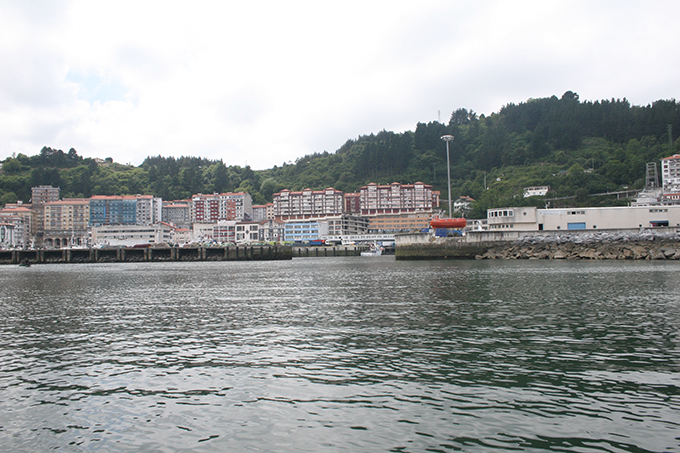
266, 82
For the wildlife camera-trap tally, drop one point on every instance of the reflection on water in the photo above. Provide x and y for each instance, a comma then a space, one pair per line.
341, 354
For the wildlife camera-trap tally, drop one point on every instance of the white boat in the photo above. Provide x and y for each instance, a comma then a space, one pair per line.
375, 250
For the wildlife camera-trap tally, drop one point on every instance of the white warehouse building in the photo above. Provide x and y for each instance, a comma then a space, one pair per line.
601, 218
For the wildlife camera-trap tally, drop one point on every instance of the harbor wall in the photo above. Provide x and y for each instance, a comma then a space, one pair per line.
148, 254
610, 244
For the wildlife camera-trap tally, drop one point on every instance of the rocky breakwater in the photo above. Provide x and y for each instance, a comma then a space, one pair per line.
645, 245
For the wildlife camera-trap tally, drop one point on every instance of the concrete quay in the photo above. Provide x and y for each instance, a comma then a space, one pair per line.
657, 244
315, 252
147, 254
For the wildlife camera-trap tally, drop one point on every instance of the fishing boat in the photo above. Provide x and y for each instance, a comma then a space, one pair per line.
448, 223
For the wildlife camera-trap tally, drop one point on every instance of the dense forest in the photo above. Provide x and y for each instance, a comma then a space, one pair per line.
579, 149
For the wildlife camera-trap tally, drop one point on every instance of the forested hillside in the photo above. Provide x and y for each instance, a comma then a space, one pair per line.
577, 148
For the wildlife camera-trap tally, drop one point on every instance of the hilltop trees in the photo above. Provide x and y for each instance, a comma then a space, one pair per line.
576, 147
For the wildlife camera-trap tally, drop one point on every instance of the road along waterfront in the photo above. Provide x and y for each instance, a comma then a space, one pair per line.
341, 354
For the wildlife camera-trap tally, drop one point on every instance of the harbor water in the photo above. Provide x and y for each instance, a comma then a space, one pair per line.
344, 354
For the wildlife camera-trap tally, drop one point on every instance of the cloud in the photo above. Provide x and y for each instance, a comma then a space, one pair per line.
271, 82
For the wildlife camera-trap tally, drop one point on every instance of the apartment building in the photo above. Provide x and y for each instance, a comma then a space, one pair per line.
113, 210
353, 203
396, 223
308, 204
39, 196
396, 198
224, 231
22, 217
347, 224
66, 222
177, 213
263, 212
206, 208
670, 173
7, 239
149, 210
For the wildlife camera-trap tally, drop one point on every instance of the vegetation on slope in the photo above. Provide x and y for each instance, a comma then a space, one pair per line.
577, 148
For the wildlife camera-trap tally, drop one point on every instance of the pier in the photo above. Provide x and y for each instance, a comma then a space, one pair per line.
147, 254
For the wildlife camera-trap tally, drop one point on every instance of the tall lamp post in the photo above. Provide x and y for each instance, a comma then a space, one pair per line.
447, 139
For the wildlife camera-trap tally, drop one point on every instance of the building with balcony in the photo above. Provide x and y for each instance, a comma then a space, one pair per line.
347, 224
39, 196
463, 204
670, 173
224, 231
113, 210
177, 213
7, 235
397, 198
263, 212
353, 203
22, 217
308, 204
399, 223
149, 210
66, 222
221, 206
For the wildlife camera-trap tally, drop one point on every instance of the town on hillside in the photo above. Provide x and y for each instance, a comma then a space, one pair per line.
374, 212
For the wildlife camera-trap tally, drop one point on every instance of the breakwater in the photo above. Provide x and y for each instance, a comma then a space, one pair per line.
594, 246
652, 245
147, 254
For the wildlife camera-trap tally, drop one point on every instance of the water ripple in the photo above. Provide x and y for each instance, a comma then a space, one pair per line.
341, 355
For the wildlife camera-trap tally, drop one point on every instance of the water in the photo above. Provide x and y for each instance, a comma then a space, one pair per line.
341, 354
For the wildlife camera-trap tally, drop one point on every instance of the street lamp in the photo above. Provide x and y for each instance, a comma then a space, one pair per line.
447, 139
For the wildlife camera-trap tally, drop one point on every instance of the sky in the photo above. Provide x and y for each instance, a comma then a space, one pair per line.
267, 82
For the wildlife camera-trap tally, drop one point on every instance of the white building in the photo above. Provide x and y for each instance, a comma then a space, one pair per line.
131, 235
247, 232
462, 204
7, 235
271, 230
670, 173
618, 217
536, 191
149, 210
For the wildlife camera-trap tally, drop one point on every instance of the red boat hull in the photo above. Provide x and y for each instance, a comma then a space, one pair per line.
448, 223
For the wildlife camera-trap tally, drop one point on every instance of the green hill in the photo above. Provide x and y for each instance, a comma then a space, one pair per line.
577, 148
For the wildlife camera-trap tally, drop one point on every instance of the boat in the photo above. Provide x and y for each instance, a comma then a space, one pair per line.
375, 250
448, 223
